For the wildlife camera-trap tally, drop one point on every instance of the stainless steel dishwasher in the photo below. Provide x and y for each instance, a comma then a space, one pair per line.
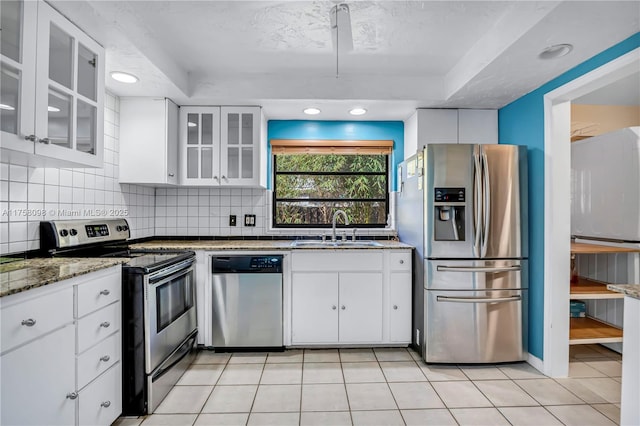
246, 302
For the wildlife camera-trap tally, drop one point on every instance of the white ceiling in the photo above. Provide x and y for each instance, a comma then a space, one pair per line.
406, 54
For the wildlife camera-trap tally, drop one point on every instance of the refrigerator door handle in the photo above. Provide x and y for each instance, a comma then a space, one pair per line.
478, 299
477, 190
486, 208
445, 268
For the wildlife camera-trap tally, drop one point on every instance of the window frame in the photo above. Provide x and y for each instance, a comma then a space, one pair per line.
386, 199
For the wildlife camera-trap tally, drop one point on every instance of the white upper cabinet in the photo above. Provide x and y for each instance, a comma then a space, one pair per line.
239, 146
222, 146
200, 145
427, 126
149, 130
54, 112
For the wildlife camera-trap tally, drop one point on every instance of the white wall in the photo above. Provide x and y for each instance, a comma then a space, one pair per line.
27, 192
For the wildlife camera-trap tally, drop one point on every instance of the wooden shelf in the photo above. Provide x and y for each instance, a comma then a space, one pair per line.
591, 289
583, 331
582, 248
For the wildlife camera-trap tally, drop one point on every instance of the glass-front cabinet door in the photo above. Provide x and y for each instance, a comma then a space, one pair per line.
17, 74
240, 145
200, 145
69, 91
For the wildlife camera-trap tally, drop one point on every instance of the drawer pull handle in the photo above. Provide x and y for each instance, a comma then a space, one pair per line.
401, 262
334, 307
29, 322
105, 358
105, 324
105, 292
395, 306
342, 307
72, 395
106, 404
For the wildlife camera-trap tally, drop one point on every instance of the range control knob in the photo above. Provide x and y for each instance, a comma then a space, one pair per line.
125, 228
64, 232
119, 228
73, 232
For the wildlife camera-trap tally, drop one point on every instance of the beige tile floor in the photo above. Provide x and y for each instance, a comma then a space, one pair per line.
387, 387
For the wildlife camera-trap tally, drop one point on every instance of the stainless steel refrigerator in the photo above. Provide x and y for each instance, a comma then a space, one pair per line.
464, 209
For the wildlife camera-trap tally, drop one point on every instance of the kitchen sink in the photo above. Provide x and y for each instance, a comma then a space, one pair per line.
332, 244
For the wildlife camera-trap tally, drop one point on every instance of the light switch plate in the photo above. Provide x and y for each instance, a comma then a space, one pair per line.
232, 220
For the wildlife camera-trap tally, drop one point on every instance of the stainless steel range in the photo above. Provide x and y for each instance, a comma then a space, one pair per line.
158, 305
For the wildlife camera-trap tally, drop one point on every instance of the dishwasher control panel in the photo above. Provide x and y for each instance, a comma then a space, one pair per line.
246, 264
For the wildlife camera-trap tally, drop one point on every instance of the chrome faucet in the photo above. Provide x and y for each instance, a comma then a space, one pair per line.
333, 223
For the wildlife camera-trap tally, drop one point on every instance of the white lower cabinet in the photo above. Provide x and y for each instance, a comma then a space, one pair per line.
58, 367
348, 297
36, 379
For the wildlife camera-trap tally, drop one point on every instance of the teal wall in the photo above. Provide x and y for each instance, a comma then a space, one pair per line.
346, 130
522, 123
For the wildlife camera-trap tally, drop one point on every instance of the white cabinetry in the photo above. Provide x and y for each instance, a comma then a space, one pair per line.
426, 126
399, 296
222, 146
52, 114
350, 297
149, 132
72, 376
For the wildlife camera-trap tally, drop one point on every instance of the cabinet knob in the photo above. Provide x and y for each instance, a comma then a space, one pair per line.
29, 322
105, 324
171, 175
334, 307
31, 138
342, 307
401, 262
106, 404
395, 306
105, 358
105, 292
45, 141
215, 178
225, 178
72, 395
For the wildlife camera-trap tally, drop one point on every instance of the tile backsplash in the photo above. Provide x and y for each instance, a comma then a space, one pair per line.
31, 194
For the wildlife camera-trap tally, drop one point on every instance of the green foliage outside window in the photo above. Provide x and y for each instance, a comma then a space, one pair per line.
308, 188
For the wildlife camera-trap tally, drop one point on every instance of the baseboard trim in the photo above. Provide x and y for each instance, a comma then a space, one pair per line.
536, 363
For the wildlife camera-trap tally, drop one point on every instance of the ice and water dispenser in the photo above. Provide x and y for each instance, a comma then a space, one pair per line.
449, 214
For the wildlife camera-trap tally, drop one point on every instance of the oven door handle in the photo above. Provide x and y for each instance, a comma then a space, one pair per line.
171, 272
175, 357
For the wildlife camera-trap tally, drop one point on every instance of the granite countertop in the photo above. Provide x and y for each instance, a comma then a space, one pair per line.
23, 275
631, 290
284, 245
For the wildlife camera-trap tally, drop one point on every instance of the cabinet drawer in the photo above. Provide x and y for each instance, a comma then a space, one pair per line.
337, 260
400, 261
98, 359
45, 313
99, 292
100, 403
98, 325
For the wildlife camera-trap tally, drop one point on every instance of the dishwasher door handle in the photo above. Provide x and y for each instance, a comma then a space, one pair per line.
479, 299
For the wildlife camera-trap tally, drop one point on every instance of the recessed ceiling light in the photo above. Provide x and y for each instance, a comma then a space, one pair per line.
191, 124
311, 111
7, 107
358, 111
124, 77
53, 109
556, 51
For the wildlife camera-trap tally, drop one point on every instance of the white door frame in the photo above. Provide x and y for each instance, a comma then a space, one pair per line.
557, 199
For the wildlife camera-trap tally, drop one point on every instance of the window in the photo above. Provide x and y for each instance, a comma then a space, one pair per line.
310, 186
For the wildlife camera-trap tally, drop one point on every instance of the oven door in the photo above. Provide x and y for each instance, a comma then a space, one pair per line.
170, 309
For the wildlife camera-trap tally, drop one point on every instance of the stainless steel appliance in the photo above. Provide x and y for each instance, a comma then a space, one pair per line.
158, 305
247, 302
464, 208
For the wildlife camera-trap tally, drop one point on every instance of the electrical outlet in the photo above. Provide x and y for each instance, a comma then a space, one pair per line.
249, 220
232, 220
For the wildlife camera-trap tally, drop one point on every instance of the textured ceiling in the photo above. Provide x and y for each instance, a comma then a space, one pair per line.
406, 54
